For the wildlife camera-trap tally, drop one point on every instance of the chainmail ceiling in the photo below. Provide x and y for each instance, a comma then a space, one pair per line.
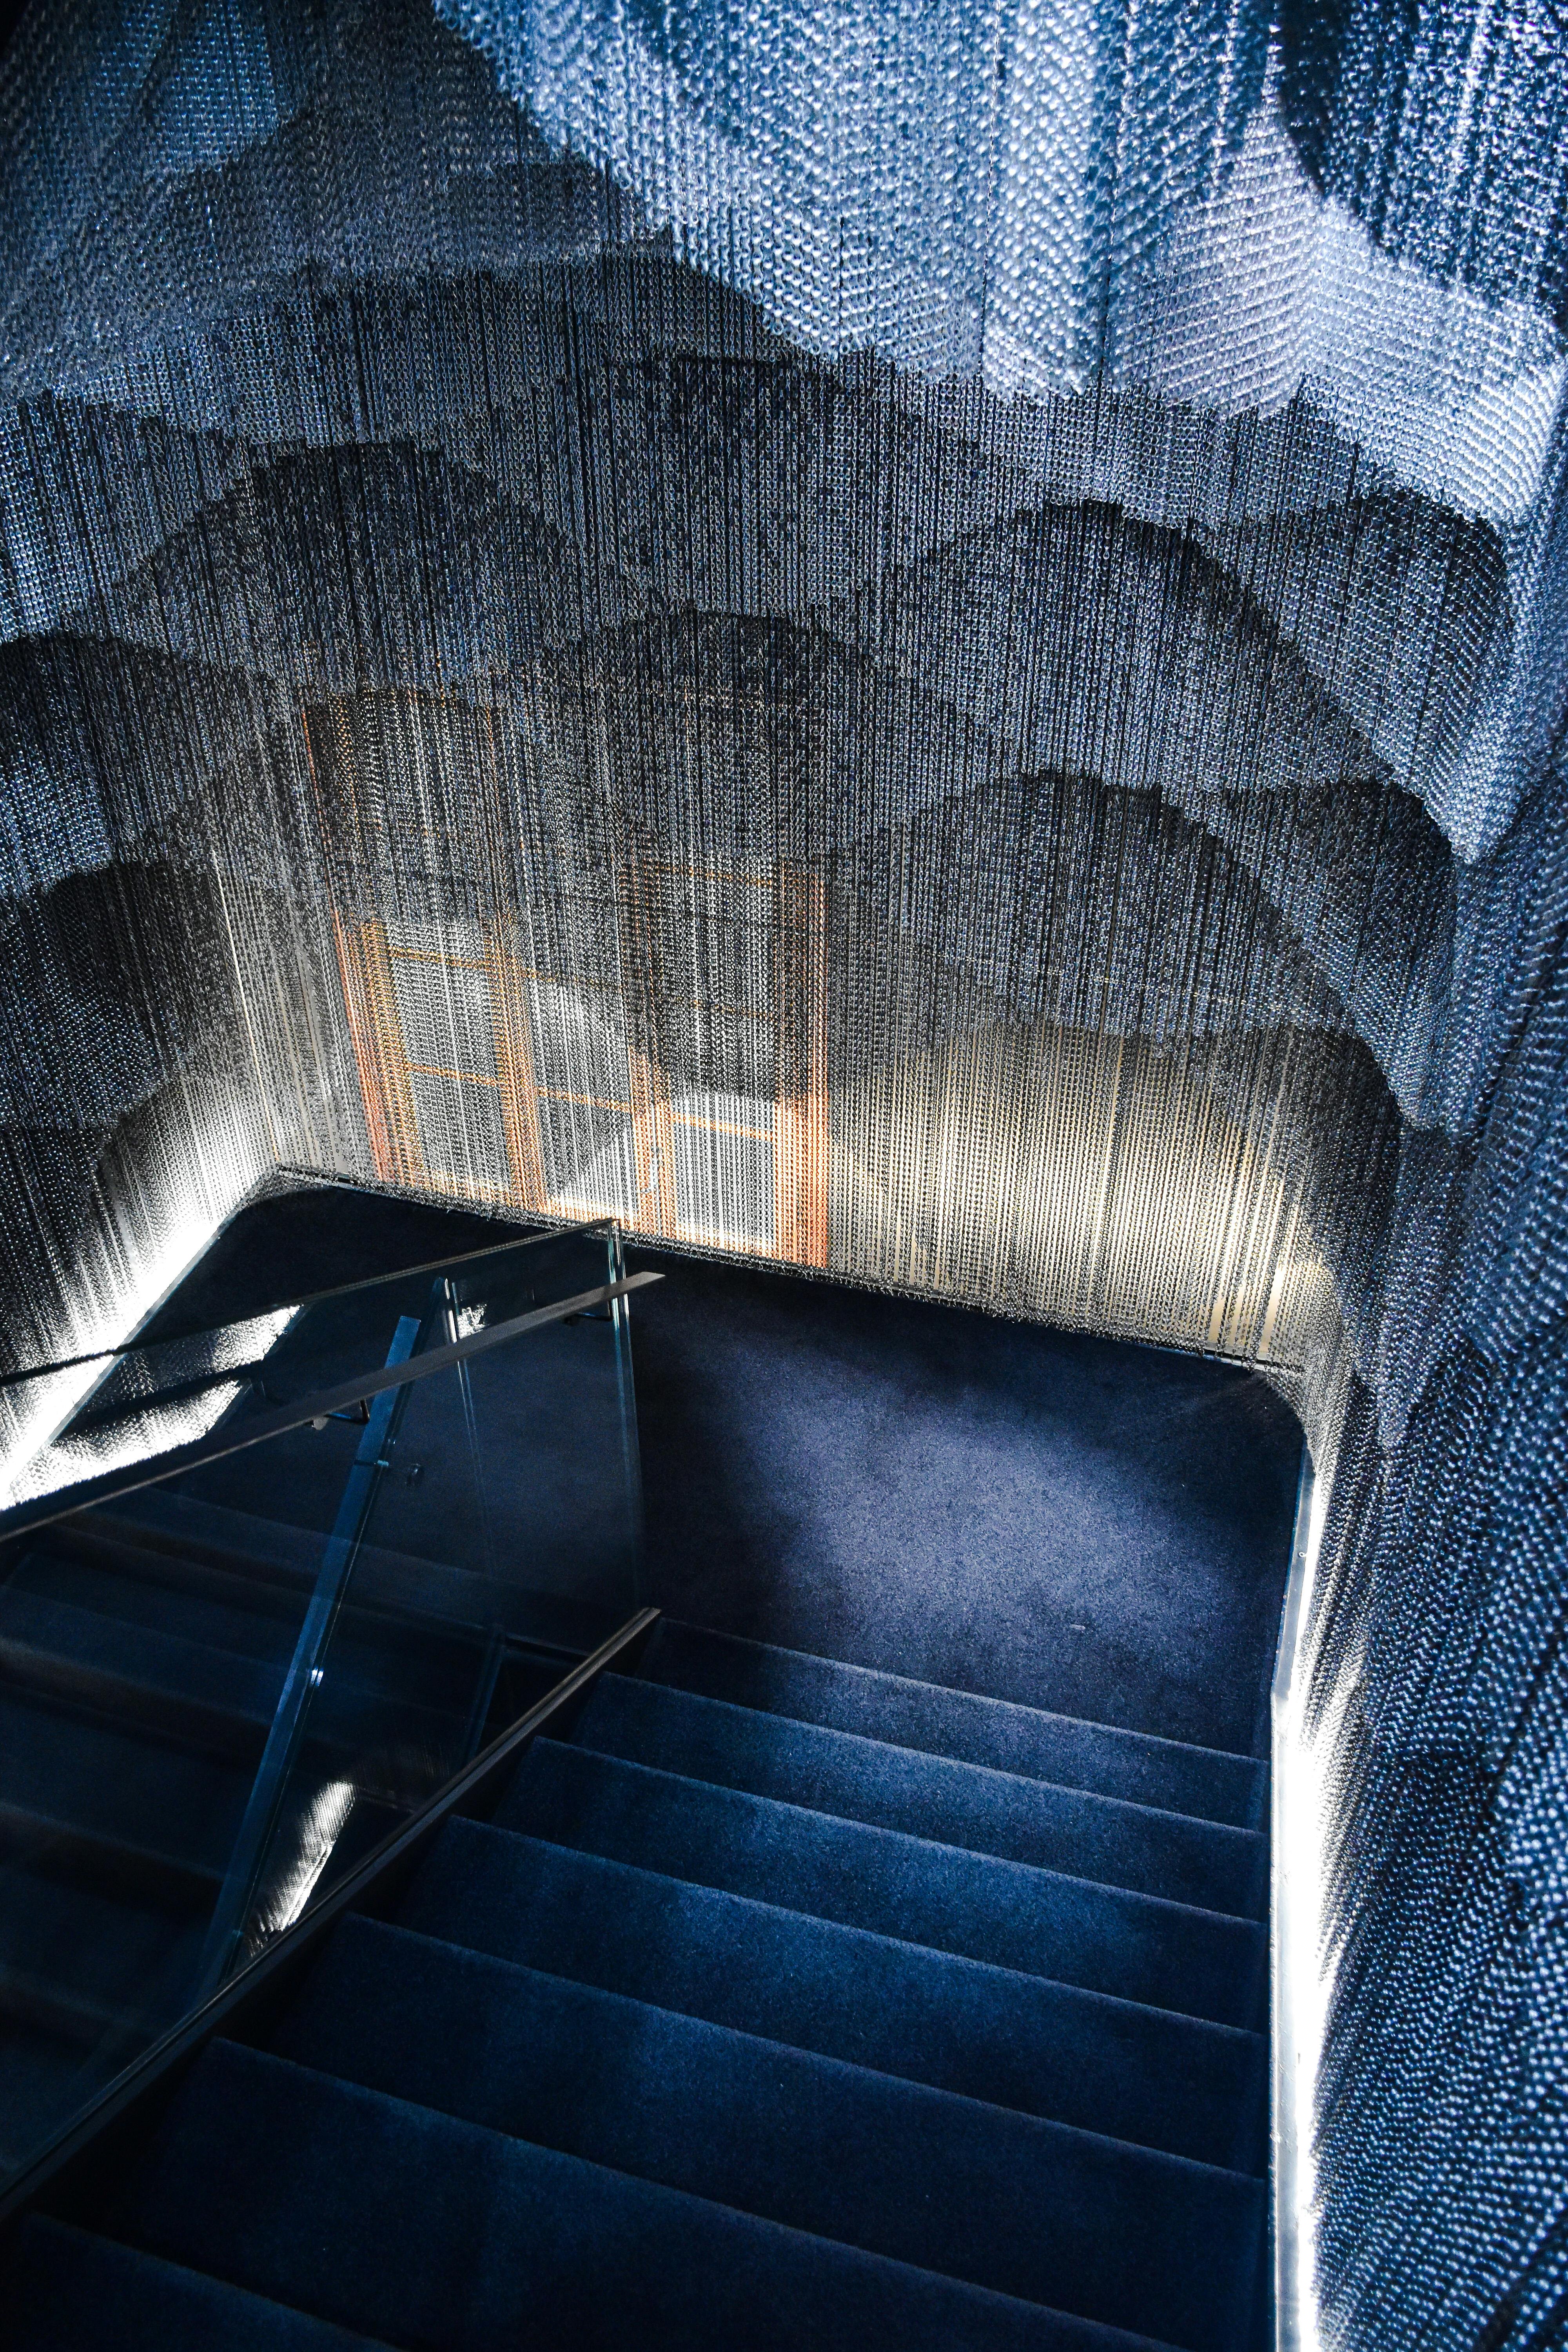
923, 639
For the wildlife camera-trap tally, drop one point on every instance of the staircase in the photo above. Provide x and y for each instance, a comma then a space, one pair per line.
785, 2003
142, 1650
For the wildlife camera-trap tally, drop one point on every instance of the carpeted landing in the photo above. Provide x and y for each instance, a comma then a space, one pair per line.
787, 2002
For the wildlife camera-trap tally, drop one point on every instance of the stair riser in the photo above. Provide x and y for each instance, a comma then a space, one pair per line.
737, 2025
1098, 1938
96, 1954
46, 2009
1021, 1820
65, 2281
105, 1865
422, 1612
411, 2226
229, 1583
253, 1617
1097, 1758
215, 1732
1006, 2201
1171, 2083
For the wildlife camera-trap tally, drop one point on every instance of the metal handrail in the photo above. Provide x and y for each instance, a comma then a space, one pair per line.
124, 2113
61, 1501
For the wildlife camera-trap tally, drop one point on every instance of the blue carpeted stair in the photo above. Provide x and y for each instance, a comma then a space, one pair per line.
144, 1647
67, 2282
1203, 1782
785, 2003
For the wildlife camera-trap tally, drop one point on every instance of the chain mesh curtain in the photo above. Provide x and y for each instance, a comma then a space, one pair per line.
924, 640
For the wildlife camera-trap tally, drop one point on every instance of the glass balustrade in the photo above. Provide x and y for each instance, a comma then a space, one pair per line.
170, 1388
226, 1679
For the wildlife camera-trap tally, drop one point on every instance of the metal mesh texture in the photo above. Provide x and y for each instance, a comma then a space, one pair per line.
923, 640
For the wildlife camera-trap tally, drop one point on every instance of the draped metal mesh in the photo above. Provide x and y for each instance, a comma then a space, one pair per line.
924, 640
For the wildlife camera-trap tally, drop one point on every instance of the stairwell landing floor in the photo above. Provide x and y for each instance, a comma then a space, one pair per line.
1080, 1525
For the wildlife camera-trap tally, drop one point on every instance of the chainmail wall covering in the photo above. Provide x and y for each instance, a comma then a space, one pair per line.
924, 637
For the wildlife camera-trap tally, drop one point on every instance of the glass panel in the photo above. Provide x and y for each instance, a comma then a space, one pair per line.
223, 1688
172, 1390
146, 1642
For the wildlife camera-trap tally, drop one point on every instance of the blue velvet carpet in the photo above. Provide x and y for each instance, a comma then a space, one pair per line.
1073, 1523
744, 2021
884, 1965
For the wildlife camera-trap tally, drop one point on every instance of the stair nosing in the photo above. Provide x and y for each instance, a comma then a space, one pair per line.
1116, 2000
1153, 1740
1256, 1839
942, 1845
363, 1923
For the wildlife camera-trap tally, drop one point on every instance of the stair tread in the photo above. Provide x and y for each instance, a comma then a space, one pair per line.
259, 1632
1016, 1915
1211, 1783
1018, 2203
147, 1658
125, 1785
283, 1560
61, 2281
405, 2223
1137, 2074
1108, 1839
117, 1955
